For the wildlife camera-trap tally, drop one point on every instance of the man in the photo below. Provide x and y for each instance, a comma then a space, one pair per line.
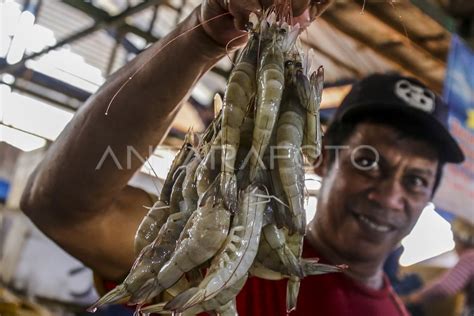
371, 196
384, 153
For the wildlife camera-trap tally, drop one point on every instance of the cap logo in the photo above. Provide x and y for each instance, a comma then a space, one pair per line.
415, 96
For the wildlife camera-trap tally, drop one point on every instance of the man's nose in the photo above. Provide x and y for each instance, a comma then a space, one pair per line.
388, 194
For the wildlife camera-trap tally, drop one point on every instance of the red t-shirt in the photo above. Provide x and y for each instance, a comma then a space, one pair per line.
332, 294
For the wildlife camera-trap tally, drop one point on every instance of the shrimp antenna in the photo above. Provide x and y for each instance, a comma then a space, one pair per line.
397, 12
228, 44
270, 197
156, 208
155, 54
150, 167
178, 171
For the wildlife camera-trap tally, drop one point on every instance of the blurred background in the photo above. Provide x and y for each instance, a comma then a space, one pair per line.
54, 54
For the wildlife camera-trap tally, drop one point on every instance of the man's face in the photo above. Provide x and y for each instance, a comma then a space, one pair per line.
372, 197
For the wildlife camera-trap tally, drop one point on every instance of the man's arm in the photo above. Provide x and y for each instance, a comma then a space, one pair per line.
90, 211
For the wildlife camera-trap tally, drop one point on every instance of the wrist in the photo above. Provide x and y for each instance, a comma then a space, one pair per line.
219, 26
203, 42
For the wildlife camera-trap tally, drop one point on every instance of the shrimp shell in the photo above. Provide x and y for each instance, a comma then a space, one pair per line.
223, 303
157, 215
290, 160
190, 195
309, 266
274, 251
235, 257
241, 89
150, 225
136, 285
269, 92
209, 167
207, 231
311, 100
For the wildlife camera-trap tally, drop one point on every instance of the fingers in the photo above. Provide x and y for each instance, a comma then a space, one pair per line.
299, 6
266, 3
241, 9
317, 7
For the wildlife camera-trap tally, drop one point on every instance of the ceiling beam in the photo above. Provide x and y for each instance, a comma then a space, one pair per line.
25, 131
112, 21
340, 63
395, 48
25, 86
436, 14
48, 82
414, 24
99, 14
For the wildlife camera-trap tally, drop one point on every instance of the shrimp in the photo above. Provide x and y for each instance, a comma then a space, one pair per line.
211, 132
290, 160
295, 243
182, 158
157, 215
223, 303
278, 40
281, 214
151, 258
209, 167
269, 92
310, 93
190, 195
241, 89
274, 251
206, 232
235, 257
150, 225
310, 267
241, 162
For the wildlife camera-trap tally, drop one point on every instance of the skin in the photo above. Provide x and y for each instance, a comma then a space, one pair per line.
393, 193
91, 213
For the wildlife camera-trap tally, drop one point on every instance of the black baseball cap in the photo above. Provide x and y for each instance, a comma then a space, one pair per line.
393, 94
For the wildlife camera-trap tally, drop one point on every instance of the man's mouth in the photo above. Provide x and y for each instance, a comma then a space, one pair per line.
373, 224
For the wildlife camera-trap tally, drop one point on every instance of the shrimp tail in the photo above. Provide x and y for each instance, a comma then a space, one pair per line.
292, 290
186, 299
157, 308
141, 295
292, 262
114, 296
311, 267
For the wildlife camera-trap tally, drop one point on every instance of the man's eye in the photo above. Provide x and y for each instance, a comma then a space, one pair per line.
365, 163
417, 182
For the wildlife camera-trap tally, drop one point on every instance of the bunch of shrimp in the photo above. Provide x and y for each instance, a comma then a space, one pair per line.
232, 204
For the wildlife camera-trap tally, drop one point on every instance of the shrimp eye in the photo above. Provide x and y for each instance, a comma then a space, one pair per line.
282, 31
288, 63
249, 26
299, 64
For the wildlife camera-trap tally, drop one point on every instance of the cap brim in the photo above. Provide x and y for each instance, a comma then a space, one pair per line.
450, 151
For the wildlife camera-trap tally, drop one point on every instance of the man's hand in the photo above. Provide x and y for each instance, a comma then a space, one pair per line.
234, 15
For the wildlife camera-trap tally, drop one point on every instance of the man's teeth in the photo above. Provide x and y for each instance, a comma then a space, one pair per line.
377, 227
